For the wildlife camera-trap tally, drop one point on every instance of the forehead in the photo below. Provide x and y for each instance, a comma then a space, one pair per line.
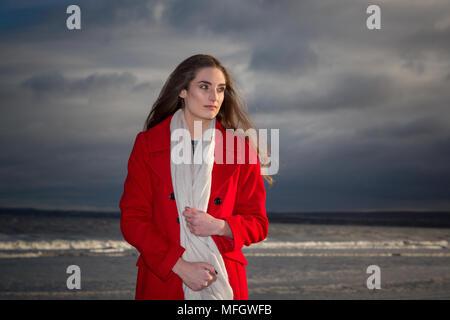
210, 74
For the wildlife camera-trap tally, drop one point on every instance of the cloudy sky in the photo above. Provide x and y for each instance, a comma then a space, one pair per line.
363, 114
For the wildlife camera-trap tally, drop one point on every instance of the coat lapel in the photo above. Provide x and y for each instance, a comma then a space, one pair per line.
159, 148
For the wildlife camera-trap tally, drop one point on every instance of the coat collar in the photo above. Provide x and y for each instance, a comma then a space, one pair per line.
159, 148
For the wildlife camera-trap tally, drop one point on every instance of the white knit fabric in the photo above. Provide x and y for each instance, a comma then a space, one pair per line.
192, 188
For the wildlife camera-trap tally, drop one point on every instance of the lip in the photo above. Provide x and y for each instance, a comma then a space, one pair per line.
210, 106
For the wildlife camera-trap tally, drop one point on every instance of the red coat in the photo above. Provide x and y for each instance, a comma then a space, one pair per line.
149, 220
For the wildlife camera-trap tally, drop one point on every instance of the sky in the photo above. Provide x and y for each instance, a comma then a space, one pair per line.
363, 115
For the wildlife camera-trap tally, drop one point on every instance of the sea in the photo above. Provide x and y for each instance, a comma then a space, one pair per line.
306, 256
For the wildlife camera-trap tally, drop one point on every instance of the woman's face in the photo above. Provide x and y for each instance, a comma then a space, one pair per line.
205, 95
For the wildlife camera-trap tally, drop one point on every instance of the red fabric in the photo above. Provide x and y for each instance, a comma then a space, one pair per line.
149, 215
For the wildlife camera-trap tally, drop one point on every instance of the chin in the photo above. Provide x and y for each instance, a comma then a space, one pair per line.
209, 115
205, 114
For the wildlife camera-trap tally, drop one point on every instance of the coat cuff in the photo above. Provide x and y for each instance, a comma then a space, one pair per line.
235, 225
163, 268
224, 244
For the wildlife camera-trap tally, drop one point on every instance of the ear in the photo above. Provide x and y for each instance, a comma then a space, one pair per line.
183, 94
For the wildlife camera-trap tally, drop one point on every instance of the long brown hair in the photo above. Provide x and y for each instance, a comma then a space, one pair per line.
233, 113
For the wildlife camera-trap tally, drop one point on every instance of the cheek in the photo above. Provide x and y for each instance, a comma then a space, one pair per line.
199, 95
221, 98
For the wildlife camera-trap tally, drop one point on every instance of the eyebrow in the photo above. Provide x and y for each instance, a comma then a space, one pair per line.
207, 82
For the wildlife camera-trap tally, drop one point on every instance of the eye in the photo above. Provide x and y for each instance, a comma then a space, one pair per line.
204, 86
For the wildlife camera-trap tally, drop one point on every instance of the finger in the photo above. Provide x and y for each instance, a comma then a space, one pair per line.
188, 210
209, 267
214, 278
210, 282
190, 227
194, 231
191, 221
199, 212
194, 211
214, 275
187, 214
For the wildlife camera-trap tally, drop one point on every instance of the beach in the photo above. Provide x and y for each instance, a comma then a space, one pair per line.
296, 262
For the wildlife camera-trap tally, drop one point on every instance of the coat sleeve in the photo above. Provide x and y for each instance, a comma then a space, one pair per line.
158, 252
249, 223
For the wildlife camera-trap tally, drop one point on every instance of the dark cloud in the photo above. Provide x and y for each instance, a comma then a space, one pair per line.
419, 29
342, 91
363, 115
49, 82
56, 84
354, 172
414, 129
357, 91
50, 16
221, 18
294, 58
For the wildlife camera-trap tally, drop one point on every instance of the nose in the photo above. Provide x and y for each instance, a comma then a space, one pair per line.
213, 95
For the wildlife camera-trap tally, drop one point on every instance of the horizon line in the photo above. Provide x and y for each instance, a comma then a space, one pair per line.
117, 211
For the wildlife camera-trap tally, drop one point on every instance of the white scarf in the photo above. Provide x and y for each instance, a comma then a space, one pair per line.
192, 187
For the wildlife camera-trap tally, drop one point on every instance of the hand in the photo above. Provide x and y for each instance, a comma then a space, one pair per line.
202, 224
196, 275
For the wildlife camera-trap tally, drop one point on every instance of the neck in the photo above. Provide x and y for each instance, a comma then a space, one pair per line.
190, 122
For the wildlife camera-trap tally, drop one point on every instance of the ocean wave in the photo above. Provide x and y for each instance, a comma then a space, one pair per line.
92, 245
111, 246
348, 245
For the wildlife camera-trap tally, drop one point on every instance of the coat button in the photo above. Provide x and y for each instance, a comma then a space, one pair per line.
217, 201
178, 220
172, 196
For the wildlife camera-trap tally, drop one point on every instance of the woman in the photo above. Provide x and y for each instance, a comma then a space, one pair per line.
188, 221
